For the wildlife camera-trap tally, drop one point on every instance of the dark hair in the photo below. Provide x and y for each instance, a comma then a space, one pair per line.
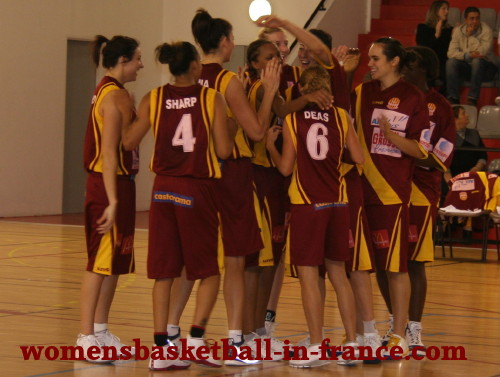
432, 14
393, 48
456, 110
426, 58
178, 56
325, 37
115, 48
471, 10
315, 78
208, 31
253, 52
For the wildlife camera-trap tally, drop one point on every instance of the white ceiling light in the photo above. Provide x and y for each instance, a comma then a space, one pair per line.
259, 8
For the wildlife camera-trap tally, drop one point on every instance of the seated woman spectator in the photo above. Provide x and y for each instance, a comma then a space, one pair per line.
435, 33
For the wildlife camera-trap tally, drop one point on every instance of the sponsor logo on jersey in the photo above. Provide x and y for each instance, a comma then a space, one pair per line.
398, 120
432, 108
381, 145
351, 240
464, 185
443, 149
463, 196
380, 239
393, 103
171, 197
412, 233
320, 206
125, 244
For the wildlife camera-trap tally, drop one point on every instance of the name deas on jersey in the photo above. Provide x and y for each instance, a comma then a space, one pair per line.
181, 103
316, 115
170, 197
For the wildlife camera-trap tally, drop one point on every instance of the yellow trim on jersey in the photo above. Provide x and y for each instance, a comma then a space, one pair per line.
393, 255
266, 253
384, 191
442, 166
295, 191
423, 150
103, 263
220, 246
424, 248
342, 123
97, 125
361, 250
417, 197
207, 96
154, 116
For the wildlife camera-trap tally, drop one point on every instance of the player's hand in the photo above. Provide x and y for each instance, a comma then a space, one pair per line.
270, 21
272, 135
270, 76
321, 98
385, 126
340, 52
106, 221
243, 76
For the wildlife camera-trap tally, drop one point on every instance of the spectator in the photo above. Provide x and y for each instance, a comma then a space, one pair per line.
464, 161
470, 55
435, 33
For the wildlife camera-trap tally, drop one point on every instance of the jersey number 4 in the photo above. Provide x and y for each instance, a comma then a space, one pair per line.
184, 134
317, 143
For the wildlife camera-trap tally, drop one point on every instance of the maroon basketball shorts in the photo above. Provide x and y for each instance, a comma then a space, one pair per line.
183, 228
318, 231
389, 230
111, 253
273, 197
241, 234
421, 232
362, 257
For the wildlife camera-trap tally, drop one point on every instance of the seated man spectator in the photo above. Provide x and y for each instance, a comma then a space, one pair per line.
464, 161
470, 55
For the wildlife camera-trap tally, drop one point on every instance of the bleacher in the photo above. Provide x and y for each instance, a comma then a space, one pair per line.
399, 19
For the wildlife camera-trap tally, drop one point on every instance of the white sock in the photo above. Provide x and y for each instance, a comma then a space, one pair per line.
369, 327
248, 337
236, 335
261, 331
173, 330
98, 327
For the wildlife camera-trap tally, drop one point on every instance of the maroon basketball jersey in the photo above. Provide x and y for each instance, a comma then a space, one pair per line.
290, 75
181, 119
319, 138
128, 161
215, 77
470, 191
440, 138
388, 171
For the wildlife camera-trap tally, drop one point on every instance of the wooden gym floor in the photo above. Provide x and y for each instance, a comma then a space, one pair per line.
42, 259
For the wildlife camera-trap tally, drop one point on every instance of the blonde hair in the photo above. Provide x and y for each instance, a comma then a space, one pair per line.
315, 78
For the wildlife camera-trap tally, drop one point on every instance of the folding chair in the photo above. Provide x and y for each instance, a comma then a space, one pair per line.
488, 121
473, 192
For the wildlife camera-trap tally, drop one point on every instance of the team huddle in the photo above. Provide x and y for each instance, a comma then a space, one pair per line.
270, 171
